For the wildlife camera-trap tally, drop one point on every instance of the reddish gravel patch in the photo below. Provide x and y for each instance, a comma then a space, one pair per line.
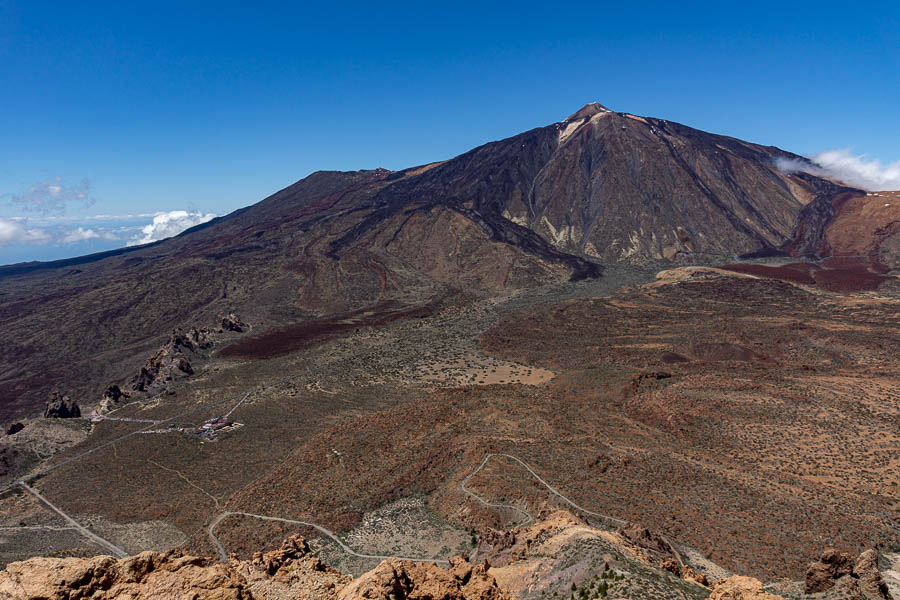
849, 280
837, 274
291, 338
794, 272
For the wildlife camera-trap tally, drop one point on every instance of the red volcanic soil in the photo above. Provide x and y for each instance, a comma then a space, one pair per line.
849, 280
794, 272
284, 340
835, 275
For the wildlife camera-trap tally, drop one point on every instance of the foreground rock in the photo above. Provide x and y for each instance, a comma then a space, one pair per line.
146, 576
395, 579
292, 571
289, 572
61, 407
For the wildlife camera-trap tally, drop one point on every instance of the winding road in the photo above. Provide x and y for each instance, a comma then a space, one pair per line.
223, 555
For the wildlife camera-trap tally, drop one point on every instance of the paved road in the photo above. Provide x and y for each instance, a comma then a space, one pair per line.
115, 550
224, 555
123, 419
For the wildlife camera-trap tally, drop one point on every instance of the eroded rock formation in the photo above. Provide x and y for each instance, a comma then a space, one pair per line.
60, 406
171, 360
231, 322
113, 397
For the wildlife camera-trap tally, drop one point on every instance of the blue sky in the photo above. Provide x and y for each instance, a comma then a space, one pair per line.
207, 107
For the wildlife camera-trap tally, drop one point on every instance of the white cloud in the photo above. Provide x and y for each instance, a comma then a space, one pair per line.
82, 235
848, 168
79, 235
52, 196
14, 231
167, 224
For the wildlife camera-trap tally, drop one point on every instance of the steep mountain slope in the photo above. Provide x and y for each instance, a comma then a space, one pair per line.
550, 204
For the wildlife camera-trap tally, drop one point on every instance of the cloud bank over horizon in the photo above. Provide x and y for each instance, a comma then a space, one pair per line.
848, 168
13, 231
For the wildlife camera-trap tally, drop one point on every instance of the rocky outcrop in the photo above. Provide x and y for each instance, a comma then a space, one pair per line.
671, 565
193, 339
498, 540
113, 397
821, 575
171, 360
231, 322
697, 577
60, 406
395, 579
146, 576
291, 572
854, 578
868, 578
737, 587
292, 549
644, 538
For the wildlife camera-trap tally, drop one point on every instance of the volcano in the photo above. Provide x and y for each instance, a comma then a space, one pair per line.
551, 204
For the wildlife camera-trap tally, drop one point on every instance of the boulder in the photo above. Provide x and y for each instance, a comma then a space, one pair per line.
14, 428
61, 407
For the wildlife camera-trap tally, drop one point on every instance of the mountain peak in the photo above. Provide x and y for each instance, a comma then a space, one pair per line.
588, 110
